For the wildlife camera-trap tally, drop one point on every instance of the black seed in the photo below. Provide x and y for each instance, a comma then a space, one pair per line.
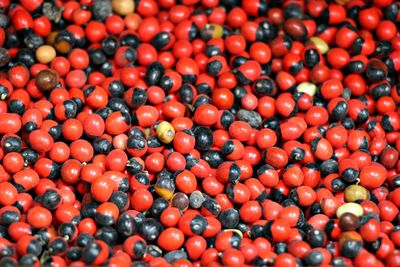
314, 258
229, 218
139, 249
107, 234
90, 252
126, 225
214, 68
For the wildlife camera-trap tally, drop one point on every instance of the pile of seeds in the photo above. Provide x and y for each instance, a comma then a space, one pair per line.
199, 133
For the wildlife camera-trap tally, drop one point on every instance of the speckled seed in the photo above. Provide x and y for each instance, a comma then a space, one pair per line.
306, 87
196, 199
355, 192
320, 44
165, 132
123, 7
102, 9
353, 208
47, 80
45, 54
4, 56
251, 117
175, 255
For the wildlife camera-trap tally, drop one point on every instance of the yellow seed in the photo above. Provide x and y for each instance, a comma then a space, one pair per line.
211, 31
351, 207
306, 87
355, 192
164, 193
123, 7
320, 44
165, 132
147, 132
165, 187
45, 54
218, 31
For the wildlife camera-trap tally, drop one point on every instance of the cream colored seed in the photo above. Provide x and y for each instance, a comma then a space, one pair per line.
123, 7
306, 87
234, 231
165, 132
45, 54
353, 208
320, 44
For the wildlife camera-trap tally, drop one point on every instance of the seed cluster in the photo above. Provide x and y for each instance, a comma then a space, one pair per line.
199, 133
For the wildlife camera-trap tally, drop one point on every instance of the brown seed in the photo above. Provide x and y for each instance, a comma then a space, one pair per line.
47, 80
64, 42
296, 29
342, 2
63, 46
348, 222
51, 38
180, 201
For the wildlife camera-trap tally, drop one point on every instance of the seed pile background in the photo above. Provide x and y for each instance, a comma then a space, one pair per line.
199, 133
